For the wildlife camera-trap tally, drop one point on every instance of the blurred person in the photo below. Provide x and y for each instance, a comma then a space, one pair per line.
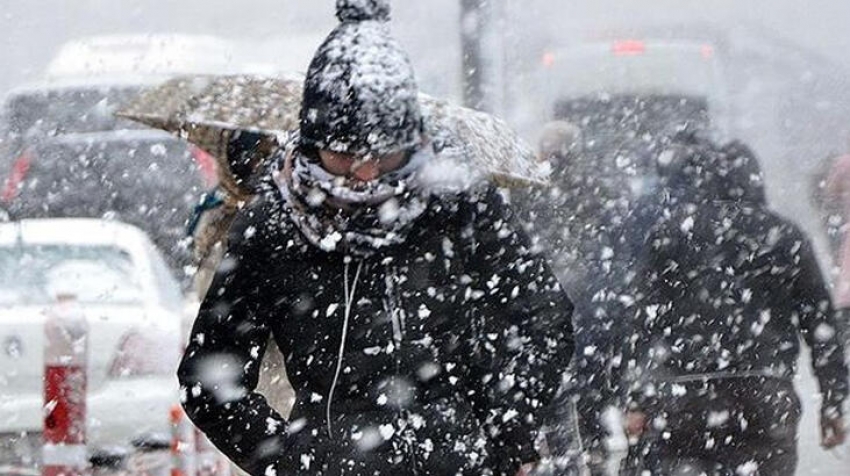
420, 332
727, 290
651, 204
828, 206
571, 222
836, 203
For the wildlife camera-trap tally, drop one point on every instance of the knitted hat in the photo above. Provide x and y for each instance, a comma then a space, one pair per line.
360, 94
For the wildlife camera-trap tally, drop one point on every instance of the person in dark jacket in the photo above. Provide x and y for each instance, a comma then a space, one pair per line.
420, 332
572, 221
728, 288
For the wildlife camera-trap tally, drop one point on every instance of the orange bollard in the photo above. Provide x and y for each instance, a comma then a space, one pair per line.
211, 462
182, 443
207, 455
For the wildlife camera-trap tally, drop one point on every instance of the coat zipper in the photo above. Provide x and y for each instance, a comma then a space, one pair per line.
350, 292
393, 306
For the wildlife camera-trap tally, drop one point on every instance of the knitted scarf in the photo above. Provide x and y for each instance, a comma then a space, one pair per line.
336, 214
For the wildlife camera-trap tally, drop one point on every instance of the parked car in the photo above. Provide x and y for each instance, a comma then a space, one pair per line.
133, 307
64, 154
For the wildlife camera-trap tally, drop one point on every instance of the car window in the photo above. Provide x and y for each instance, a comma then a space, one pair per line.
49, 112
167, 287
94, 274
145, 180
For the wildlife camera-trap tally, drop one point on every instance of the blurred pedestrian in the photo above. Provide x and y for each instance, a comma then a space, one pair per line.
727, 289
571, 221
829, 207
421, 333
836, 201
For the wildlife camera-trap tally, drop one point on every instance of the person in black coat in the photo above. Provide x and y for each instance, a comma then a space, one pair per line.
420, 332
573, 221
727, 290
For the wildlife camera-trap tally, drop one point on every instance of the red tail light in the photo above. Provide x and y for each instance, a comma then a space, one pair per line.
16, 176
629, 48
548, 59
206, 162
139, 355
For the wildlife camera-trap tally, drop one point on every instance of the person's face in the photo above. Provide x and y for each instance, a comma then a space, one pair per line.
361, 168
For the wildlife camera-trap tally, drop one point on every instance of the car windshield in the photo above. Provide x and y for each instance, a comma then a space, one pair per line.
50, 112
37, 274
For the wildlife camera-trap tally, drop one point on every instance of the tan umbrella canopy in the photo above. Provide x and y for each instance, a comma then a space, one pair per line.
208, 110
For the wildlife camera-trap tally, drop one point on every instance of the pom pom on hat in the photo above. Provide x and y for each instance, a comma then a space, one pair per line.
362, 10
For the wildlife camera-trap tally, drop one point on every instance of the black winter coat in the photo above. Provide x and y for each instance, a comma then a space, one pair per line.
726, 288
430, 359
574, 220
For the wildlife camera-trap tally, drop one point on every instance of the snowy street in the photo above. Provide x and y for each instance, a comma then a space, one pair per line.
374, 237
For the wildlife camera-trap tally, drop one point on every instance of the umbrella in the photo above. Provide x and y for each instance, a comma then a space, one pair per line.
208, 110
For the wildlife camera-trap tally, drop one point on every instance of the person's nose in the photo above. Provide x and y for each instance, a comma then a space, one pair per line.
365, 171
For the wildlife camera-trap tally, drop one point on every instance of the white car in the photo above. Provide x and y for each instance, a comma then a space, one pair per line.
148, 55
133, 306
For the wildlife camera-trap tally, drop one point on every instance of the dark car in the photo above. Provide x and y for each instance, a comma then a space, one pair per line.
630, 96
65, 154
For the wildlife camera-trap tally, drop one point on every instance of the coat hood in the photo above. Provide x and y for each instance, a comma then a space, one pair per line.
698, 169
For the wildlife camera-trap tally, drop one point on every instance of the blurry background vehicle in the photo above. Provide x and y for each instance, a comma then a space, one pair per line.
669, 82
133, 306
66, 155
630, 96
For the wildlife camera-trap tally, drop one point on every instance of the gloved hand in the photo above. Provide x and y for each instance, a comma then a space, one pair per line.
832, 431
526, 469
635, 425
